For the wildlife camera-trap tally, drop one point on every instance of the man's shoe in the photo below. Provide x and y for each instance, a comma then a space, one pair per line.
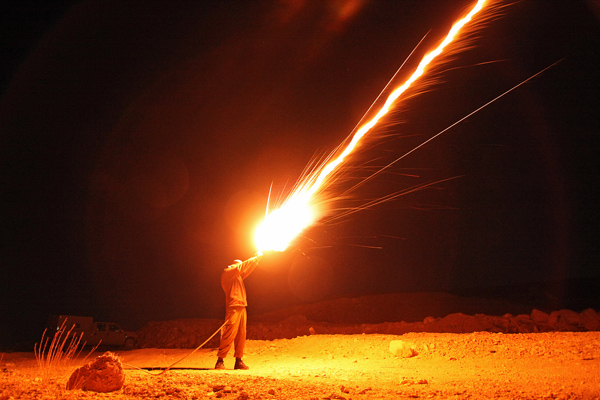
239, 364
220, 364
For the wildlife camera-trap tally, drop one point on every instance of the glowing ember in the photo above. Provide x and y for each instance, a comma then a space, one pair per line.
300, 210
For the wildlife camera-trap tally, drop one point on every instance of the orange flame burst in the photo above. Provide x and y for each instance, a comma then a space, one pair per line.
281, 226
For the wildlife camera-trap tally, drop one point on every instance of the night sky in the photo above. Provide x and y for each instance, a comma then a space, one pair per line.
139, 141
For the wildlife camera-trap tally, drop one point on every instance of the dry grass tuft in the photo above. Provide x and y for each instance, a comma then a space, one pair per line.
55, 356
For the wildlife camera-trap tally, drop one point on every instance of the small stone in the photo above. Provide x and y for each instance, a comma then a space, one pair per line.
218, 388
272, 392
402, 349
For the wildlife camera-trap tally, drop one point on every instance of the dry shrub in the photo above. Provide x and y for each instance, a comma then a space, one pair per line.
55, 356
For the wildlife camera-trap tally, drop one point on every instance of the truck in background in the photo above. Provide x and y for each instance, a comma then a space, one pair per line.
94, 332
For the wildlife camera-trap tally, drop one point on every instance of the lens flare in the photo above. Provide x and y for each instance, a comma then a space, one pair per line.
300, 210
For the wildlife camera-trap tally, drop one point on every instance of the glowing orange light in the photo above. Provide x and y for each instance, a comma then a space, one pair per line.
282, 225
300, 210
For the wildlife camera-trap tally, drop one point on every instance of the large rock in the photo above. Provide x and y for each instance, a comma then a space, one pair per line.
104, 374
461, 323
564, 320
590, 320
539, 316
179, 333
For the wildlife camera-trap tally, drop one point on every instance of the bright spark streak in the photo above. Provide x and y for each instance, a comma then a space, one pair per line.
281, 226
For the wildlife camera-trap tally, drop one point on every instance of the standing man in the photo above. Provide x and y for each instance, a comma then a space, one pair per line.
234, 330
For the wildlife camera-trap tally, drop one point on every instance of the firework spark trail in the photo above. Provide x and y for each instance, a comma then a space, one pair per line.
393, 97
381, 170
282, 225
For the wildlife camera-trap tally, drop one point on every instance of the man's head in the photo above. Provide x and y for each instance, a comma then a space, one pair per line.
234, 263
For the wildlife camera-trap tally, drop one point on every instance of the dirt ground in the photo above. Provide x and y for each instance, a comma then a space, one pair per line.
482, 365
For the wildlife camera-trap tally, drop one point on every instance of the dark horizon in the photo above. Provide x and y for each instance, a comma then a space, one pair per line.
140, 142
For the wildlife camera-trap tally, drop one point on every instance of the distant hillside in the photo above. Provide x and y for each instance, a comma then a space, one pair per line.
408, 307
574, 294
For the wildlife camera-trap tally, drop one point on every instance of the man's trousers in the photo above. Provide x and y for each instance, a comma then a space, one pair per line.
234, 332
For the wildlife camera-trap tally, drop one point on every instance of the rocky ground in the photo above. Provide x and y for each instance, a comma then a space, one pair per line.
482, 365
378, 347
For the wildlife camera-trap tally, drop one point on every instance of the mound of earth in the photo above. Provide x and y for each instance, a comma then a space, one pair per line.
392, 314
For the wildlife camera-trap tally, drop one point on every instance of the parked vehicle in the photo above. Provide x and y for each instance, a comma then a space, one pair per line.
94, 332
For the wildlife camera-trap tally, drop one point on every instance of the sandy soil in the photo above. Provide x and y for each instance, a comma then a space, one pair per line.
551, 365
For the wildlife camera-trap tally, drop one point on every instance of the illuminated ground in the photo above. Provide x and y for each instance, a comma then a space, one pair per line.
562, 365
